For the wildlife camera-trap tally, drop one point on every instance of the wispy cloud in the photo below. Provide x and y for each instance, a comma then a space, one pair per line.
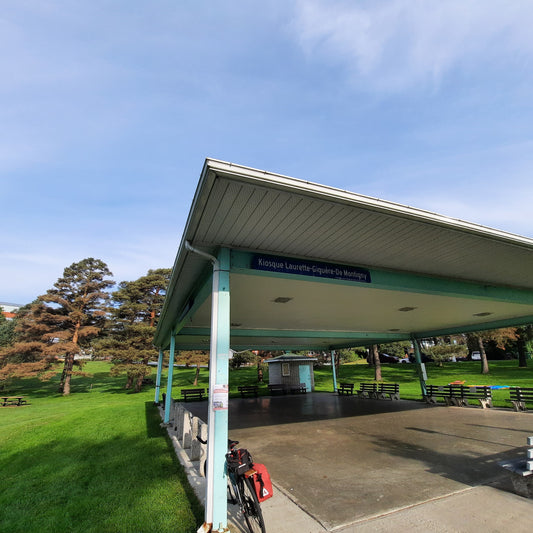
393, 45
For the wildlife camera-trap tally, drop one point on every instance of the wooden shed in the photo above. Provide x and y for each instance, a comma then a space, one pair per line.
291, 369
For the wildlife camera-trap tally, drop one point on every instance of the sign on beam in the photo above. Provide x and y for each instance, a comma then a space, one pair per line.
284, 265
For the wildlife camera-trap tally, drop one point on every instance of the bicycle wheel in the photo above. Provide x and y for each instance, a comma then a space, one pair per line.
252, 510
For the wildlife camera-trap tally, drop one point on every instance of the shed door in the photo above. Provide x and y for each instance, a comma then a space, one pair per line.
305, 376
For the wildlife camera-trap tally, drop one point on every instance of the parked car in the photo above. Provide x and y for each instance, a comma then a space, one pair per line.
475, 356
386, 358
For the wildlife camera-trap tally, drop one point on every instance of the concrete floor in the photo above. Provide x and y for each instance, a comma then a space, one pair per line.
347, 464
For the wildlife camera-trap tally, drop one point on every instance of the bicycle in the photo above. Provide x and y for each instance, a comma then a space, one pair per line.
241, 488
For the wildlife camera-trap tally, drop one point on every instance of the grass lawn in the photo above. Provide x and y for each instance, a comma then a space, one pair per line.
501, 373
96, 461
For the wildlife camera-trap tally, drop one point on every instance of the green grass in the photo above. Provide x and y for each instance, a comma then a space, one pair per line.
501, 373
96, 461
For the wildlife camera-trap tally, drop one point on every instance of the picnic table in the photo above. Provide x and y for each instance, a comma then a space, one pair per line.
12, 400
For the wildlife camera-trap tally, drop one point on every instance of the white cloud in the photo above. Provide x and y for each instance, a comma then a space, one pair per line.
398, 44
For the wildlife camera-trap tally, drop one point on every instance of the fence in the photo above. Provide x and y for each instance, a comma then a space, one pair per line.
183, 429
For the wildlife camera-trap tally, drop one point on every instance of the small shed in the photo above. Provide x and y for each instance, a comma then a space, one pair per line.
291, 369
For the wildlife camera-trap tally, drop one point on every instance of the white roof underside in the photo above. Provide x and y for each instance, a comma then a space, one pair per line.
251, 210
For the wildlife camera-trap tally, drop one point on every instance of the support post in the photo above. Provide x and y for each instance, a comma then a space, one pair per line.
216, 504
333, 354
158, 378
217, 436
420, 367
168, 399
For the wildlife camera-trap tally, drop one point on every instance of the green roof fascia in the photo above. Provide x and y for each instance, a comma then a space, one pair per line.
303, 334
241, 262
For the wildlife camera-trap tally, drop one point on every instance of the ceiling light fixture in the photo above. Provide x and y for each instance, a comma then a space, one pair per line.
282, 300
485, 313
406, 309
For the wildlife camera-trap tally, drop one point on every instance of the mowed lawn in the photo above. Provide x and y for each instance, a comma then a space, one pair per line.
96, 461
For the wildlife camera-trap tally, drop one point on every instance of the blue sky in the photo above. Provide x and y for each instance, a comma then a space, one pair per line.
109, 108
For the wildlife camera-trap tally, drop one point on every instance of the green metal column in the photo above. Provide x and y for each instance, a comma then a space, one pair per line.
421, 369
158, 379
217, 438
168, 399
333, 354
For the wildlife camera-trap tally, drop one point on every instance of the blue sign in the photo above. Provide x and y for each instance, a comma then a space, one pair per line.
301, 267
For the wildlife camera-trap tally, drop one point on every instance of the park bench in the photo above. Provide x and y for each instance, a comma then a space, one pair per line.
367, 390
345, 388
252, 390
277, 388
301, 388
439, 391
392, 390
519, 396
481, 393
193, 394
459, 395
12, 400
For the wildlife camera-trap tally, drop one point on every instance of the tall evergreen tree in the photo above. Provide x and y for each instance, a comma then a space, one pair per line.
26, 354
133, 317
77, 312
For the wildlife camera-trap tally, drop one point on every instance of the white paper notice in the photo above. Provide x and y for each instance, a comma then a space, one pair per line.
220, 397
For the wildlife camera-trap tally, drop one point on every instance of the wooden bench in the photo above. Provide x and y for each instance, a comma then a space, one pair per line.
459, 395
481, 393
277, 388
345, 388
193, 394
297, 389
439, 391
392, 390
13, 400
252, 390
367, 390
519, 396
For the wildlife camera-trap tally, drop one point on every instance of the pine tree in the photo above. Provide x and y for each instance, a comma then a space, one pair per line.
76, 314
133, 317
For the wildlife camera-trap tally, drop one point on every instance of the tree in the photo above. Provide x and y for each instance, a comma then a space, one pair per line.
27, 354
76, 313
7, 330
131, 327
374, 357
196, 358
445, 352
524, 336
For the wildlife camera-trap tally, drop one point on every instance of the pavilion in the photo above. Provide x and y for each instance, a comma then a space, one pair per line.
272, 262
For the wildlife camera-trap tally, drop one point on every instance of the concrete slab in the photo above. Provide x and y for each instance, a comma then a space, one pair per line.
347, 464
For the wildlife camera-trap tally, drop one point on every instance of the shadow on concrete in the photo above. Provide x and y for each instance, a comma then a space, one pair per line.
310, 407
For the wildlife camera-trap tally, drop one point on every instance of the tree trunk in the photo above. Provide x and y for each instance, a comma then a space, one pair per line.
67, 373
129, 382
377, 362
484, 362
69, 363
521, 345
196, 375
139, 383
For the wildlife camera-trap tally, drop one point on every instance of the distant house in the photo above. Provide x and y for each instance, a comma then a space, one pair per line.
9, 310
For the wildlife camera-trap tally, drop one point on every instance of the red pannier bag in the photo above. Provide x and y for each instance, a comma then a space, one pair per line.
262, 483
